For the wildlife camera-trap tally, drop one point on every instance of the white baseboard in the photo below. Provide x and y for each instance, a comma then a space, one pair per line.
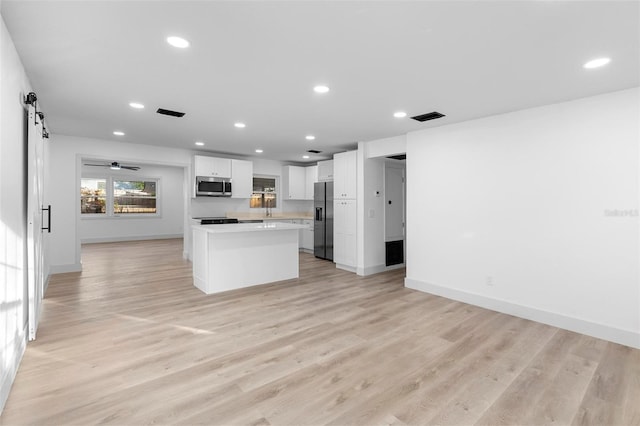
370, 270
63, 269
129, 238
9, 374
346, 267
601, 331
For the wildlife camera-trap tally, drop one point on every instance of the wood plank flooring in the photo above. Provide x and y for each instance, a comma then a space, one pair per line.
130, 341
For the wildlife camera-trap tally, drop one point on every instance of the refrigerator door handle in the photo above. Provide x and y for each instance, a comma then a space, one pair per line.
319, 214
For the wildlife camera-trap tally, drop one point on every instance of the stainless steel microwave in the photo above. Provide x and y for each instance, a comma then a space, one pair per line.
207, 186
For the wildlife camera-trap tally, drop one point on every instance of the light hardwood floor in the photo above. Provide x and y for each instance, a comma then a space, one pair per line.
131, 341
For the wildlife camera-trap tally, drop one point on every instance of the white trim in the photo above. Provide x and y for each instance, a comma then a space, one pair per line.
63, 269
370, 270
346, 267
9, 374
601, 331
46, 282
130, 238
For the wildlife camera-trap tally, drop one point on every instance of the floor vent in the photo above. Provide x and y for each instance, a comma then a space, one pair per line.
428, 116
169, 112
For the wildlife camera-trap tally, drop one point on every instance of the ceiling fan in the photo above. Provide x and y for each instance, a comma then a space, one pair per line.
115, 166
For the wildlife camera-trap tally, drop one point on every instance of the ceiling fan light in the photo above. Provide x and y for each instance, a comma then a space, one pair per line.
115, 166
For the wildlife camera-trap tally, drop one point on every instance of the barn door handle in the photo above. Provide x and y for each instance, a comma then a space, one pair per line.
48, 227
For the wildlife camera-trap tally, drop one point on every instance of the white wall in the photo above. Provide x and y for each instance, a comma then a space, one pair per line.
66, 153
386, 147
13, 281
370, 212
513, 212
170, 204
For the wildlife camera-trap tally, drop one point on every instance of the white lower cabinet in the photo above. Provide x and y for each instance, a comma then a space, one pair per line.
344, 233
307, 235
305, 240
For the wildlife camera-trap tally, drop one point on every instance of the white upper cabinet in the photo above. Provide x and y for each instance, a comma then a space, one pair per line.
311, 174
325, 170
293, 183
344, 175
212, 166
241, 179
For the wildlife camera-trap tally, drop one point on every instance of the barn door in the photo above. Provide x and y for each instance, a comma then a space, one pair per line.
35, 213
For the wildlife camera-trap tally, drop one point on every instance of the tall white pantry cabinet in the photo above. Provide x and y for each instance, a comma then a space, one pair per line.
344, 210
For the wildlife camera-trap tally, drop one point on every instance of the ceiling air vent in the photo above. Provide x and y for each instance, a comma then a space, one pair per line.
428, 116
314, 151
169, 112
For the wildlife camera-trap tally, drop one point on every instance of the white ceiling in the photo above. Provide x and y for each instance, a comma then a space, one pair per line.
257, 62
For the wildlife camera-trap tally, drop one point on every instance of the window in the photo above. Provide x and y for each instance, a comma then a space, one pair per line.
93, 196
134, 196
115, 197
264, 192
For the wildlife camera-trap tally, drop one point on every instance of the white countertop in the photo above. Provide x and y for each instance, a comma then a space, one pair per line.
276, 216
248, 227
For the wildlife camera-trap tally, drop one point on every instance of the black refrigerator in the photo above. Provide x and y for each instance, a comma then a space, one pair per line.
323, 220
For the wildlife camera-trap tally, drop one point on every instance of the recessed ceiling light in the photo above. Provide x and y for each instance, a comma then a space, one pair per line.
200, 143
177, 42
399, 114
240, 125
305, 156
118, 133
309, 137
136, 105
321, 89
259, 151
595, 63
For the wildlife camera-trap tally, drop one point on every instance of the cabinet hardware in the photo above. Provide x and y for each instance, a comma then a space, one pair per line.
48, 227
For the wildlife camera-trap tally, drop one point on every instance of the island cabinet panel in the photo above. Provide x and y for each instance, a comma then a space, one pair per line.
344, 233
293, 183
241, 179
221, 252
212, 166
344, 175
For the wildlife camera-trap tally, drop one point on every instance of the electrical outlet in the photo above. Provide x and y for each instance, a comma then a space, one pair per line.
489, 281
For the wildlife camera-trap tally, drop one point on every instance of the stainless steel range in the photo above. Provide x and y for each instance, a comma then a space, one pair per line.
215, 220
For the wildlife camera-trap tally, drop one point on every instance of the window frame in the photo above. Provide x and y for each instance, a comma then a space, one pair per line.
110, 197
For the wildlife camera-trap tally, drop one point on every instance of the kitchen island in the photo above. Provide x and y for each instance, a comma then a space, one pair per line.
230, 256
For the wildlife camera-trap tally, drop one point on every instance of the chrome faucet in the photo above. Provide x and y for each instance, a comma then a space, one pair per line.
268, 207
